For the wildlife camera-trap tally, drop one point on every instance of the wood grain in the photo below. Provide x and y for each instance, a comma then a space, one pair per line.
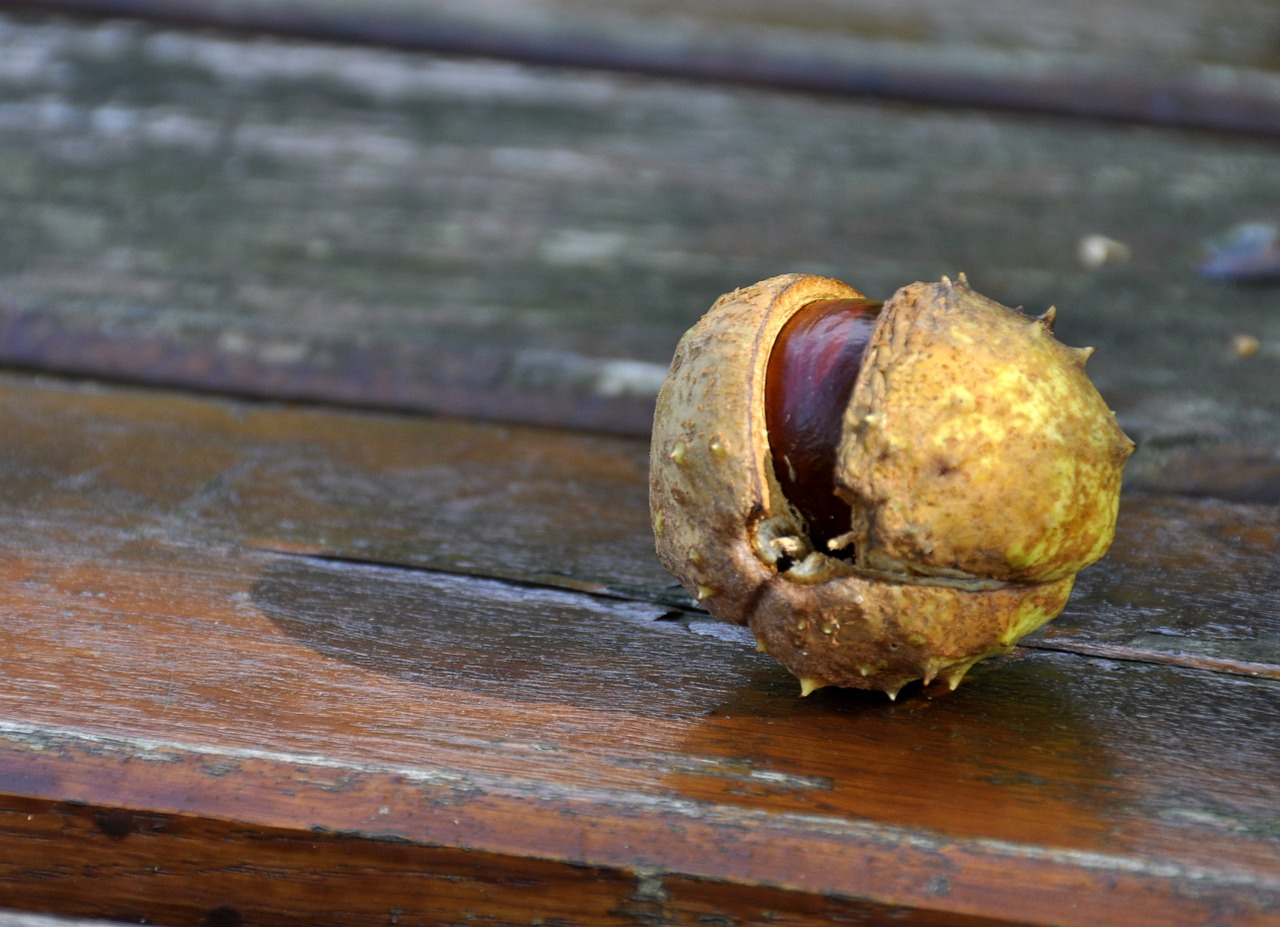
1193, 63
264, 663
452, 712
1192, 582
300, 220
220, 681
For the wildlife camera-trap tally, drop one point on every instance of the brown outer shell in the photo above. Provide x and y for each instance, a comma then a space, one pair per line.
709, 478
878, 634
724, 528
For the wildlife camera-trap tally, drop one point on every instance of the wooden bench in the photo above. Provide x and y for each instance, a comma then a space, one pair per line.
327, 584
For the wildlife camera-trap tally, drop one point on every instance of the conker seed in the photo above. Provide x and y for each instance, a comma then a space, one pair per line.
812, 368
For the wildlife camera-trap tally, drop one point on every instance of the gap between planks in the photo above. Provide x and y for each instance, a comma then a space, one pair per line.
568, 734
1189, 582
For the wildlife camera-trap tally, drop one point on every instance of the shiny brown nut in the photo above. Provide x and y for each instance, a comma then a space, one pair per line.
975, 470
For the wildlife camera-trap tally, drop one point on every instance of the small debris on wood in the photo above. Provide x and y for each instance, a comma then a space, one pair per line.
1245, 345
1096, 251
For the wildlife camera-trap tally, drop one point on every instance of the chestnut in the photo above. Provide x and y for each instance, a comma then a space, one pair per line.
812, 368
882, 493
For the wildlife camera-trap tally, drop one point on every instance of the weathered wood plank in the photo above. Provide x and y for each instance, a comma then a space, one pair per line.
307, 221
1193, 582
209, 713
240, 687
218, 874
1195, 63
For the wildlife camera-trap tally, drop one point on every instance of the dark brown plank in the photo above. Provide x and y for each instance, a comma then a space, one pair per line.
217, 874
1196, 63
510, 501
551, 731
1194, 582
299, 220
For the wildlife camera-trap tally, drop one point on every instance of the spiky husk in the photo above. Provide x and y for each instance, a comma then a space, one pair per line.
930, 594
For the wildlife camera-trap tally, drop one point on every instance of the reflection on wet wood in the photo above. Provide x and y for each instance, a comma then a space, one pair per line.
1192, 582
11, 918
276, 664
533, 724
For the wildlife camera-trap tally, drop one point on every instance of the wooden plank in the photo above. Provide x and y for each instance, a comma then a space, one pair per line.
299, 220
1192, 582
509, 501
217, 874
553, 731
1199, 64
231, 728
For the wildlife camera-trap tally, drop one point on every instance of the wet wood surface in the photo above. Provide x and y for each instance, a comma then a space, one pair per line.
547, 507
10, 918
568, 729
327, 591
259, 636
